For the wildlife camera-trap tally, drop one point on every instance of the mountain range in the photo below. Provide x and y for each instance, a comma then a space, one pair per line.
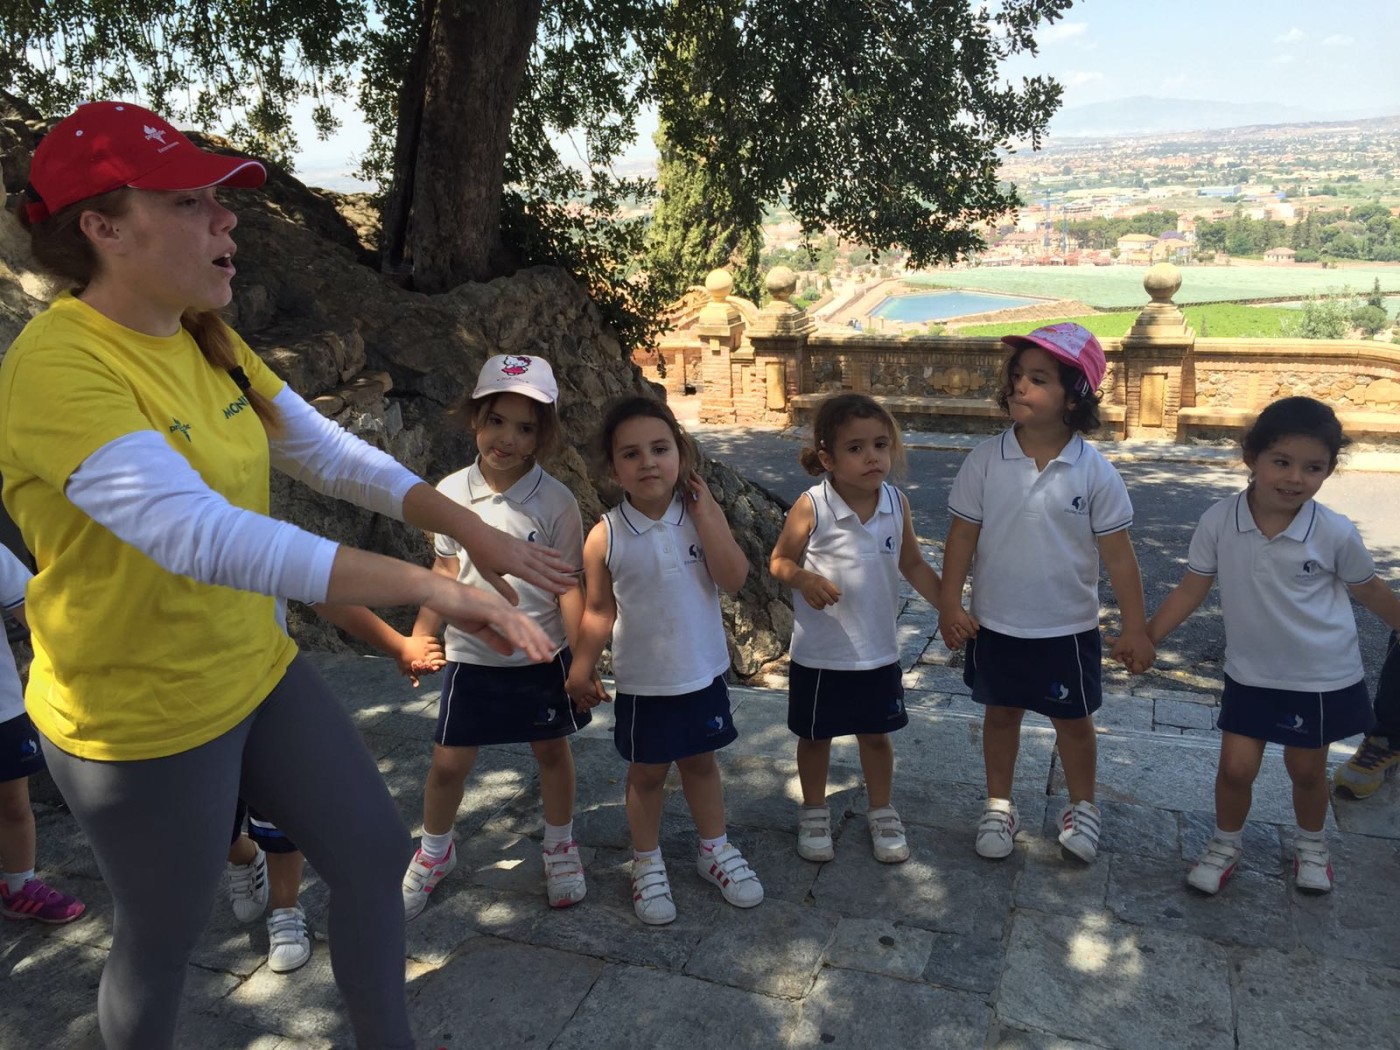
1146, 115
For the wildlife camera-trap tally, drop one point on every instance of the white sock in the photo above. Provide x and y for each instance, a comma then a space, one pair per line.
15, 880
1310, 836
647, 854
555, 834
714, 845
436, 847
1234, 838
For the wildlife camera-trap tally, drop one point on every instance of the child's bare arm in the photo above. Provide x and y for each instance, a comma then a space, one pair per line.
785, 561
912, 565
1134, 649
725, 559
429, 621
954, 623
1375, 594
596, 621
1185, 598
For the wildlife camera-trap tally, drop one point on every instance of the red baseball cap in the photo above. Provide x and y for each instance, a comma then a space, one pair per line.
104, 146
1071, 343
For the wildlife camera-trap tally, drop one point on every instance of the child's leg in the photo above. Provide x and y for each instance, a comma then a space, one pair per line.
284, 871
1307, 768
813, 762
17, 848
445, 786
1240, 758
1001, 743
704, 793
556, 762
1079, 755
243, 850
645, 796
877, 763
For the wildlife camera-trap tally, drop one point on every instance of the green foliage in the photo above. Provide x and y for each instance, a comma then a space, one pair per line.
1324, 317
1370, 319
1218, 320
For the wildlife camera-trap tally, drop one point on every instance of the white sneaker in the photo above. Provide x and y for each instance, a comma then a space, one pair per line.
1312, 866
1079, 830
996, 831
422, 878
651, 892
814, 834
563, 875
887, 836
247, 886
289, 941
1215, 865
727, 869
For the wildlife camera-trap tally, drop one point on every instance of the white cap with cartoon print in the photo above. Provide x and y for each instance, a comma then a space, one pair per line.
517, 374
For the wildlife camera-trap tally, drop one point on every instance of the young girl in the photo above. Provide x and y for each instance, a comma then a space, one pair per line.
1038, 505
22, 894
653, 566
845, 543
488, 698
1293, 673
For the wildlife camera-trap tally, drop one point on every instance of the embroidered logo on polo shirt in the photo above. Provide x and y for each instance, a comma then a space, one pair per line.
533, 537
176, 427
889, 544
694, 553
1310, 569
1078, 505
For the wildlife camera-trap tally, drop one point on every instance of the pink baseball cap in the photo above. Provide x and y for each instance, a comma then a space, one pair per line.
1071, 343
104, 146
517, 374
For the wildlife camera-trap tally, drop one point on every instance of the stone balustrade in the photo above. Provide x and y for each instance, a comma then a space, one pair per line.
770, 367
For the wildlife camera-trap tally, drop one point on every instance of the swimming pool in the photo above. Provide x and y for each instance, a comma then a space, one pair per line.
937, 306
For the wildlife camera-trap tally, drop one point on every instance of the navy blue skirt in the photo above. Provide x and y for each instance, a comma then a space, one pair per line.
20, 755
824, 703
506, 705
660, 729
1294, 718
1060, 677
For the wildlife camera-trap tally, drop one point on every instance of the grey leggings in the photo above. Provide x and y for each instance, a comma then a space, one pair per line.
301, 762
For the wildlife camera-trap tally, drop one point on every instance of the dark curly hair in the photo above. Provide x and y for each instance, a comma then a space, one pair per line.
1081, 407
1295, 417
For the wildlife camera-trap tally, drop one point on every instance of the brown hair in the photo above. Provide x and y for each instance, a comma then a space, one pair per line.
548, 434
836, 412
1081, 409
1295, 417
59, 245
626, 408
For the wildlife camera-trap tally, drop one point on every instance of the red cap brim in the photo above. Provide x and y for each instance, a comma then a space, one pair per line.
195, 169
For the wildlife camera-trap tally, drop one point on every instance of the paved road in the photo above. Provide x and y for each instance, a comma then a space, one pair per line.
1168, 497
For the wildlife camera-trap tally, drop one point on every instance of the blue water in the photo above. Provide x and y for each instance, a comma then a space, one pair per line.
936, 306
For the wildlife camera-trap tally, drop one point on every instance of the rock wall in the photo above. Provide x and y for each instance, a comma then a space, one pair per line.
388, 363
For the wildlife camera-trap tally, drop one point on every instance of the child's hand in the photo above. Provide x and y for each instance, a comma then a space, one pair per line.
420, 654
1134, 651
702, 502
585, 688
957, 627
818, 590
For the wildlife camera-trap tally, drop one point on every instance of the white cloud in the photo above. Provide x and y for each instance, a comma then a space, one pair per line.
1281, 60
1291, 37
1061, 31
1338, 40
1082, 76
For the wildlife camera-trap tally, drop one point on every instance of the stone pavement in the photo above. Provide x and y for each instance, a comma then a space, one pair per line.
946, 950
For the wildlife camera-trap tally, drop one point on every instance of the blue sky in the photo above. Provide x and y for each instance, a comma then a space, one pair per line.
1339, 59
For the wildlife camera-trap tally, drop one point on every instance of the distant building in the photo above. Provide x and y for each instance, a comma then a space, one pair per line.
1218, 191
1279, 255
1136, 248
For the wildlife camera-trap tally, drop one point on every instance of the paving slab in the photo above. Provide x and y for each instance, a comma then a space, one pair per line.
775, 948
859, 1011
1105, 982
1293, 999
881, 947
1350, 923
630, 1008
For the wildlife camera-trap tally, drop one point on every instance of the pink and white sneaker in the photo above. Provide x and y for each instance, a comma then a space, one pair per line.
563, 875
41, 902
422, 877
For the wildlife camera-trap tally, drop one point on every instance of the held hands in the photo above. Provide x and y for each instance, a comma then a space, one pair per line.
1134, 650
420, 654
817, 590
585, 688
956, 626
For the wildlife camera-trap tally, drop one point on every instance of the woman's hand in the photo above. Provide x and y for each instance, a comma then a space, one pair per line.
497, 555
489, 617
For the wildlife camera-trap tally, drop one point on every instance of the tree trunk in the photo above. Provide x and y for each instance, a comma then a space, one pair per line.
474, 62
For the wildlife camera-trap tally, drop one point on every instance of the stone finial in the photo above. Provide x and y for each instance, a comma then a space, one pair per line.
719, 283
1161, 321
780, 317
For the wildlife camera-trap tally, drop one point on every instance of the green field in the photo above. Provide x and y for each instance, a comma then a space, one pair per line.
1219, 320
1117, 287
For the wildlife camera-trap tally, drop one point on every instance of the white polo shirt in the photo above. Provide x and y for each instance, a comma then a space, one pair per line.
669, 635
862, 559
1036, 570
1288, 618
14, 577
538, 509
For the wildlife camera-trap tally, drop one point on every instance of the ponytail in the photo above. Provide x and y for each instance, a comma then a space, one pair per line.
212, 337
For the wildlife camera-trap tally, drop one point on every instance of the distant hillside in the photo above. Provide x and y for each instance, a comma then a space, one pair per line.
1145, 115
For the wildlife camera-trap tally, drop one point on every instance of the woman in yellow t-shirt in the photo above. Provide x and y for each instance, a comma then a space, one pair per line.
136, 436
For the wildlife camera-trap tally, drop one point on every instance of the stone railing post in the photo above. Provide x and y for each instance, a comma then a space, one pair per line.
720, 328
778, 338
1155, 352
